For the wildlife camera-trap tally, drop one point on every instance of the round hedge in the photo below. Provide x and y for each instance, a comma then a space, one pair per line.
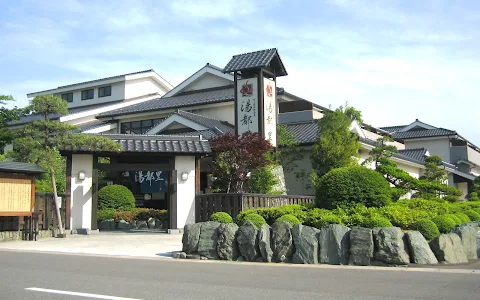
290, 219
444, 223
472, 215
256, 219
455, 219
347, 186
221, 217
463, 217
115, 197
376, 221
427, 228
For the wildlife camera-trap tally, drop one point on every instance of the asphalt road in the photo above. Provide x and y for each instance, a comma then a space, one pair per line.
62, 276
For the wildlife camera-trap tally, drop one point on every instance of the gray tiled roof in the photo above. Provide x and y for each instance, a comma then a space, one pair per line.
71, 111
18, 167
207, 96
92, 125
210, 123
393, 128
412, 134
101, 79
257, 59
205, 134
305, 133
415, 153
155, 143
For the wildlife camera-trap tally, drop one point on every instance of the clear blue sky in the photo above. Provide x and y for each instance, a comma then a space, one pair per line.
393, 60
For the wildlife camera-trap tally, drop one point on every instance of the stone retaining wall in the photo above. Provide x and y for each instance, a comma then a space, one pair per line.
333, 244
17, 235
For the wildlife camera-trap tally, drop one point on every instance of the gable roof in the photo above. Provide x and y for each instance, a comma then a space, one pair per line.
413, 134
208, 68
206, 96
392, 129
210, 123
268, 58
415, 153
18, 167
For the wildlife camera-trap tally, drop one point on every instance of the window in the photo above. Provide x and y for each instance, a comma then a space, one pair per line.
68, 97
139, 127
105, 91
87, 94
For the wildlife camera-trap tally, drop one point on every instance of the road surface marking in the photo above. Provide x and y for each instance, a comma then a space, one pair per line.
96, 296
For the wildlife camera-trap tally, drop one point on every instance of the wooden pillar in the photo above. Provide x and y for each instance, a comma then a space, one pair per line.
68, 200
172, 192
197, 174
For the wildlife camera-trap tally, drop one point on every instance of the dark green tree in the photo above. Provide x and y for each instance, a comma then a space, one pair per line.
7, 115
40, 142
382, 150
337, 146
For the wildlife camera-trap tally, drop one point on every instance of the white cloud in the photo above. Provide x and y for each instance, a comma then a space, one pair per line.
212, 9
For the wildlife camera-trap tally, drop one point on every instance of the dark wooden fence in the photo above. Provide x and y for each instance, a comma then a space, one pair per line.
207, 204
45, 211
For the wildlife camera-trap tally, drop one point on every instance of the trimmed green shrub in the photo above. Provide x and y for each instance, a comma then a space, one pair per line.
240, 218
256, 219
455, 219
477, 210
375, 221
290, 219
116, 197
144, 214
463, 217
427, 228
319, 218
473, 196
105, 214
473, 215
271, 214
347, 186
444, 223
221, 217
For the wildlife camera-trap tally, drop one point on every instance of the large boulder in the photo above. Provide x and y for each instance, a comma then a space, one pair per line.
207, 242
334, 243
248, 242
389, 245
282, 242
264, 246
226, 245
122, 224
468, 237
448, 249
361, 246
191, 235
305, 240
142, 224
420, 252
151, 223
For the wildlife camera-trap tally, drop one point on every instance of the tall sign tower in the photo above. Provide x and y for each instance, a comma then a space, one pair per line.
255, 76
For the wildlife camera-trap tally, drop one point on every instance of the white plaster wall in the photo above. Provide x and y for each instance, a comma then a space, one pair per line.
141, 87
118, 93
185, 190
223, 113
297, 186
81, 198
440, 147
463, 187
207, 81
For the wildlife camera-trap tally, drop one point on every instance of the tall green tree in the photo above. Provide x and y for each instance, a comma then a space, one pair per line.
337, 146
39, 142
7, 115
383, 149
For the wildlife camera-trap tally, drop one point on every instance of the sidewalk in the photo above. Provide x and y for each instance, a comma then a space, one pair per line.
140, 244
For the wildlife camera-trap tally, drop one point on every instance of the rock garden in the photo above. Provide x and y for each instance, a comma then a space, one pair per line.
117, 211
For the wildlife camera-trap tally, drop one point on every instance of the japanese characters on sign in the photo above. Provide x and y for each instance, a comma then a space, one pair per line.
15, 196
151, 181
247, 108
270, 111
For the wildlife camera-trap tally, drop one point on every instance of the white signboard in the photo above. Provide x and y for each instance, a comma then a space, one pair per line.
270, 110
247, 107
